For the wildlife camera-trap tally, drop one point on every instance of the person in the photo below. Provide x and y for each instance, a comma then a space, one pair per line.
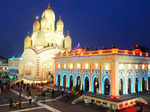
30, 99
10, 102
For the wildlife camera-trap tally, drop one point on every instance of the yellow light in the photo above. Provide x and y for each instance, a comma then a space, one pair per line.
143, 66
78, 66
107, 67
86, 66
64, 66
115, 51
71, 66
96, 65
59, 66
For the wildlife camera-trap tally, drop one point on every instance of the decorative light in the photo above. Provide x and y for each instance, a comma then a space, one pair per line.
86, 66
59, 66
107, 67
148, 66
71, 66
78, 66
96, 65
129, 66
136, 66
121, 66
143, 66
64, 66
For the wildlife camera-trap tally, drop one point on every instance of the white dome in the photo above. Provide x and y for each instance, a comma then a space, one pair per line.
49, 14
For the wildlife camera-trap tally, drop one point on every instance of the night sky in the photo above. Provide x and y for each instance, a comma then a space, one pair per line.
93, 23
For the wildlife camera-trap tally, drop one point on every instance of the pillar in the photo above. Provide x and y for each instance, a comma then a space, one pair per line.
90, 82
126, 79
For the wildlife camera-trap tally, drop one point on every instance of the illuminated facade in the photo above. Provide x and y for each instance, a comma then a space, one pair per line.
40, 49
113, 72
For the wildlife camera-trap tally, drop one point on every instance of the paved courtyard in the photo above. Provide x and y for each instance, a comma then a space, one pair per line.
52, 103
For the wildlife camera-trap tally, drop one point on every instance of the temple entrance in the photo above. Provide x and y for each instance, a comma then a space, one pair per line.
58, 82
143, 84
78, 83
71, 82
86, 84
96, 85
64, 81
121, 87
107, 87
129, 86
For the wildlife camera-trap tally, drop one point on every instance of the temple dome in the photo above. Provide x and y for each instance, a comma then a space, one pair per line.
60, 22
49, 14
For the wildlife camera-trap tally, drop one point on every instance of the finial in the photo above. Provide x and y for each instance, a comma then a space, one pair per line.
49, 6
59, 17
37, 17
28, 33
67, 33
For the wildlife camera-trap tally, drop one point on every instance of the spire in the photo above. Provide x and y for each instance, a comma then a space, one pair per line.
59, 17
49, 6
68, 33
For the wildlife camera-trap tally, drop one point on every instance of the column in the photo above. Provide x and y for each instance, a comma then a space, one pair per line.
126, 79
90, 81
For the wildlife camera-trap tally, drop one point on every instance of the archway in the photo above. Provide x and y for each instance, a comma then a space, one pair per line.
121, 87
78, 83
143, 84
86, 84
58, 81
96, 85
71, 82
107, 87
64, 81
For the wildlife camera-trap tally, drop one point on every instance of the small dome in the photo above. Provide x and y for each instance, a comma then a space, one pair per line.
28, 38
60, 22
68, 35
36, 25
49, 14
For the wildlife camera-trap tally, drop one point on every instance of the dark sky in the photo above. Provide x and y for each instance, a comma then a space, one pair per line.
93, 23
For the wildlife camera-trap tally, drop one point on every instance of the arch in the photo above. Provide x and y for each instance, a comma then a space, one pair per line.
130, 84
93, 81
122, 81
62, 81
103, 83
76, 77
58, 80
84, 77
69, 78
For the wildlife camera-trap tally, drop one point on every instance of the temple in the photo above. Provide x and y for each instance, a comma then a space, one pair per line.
37, 64
114, 72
